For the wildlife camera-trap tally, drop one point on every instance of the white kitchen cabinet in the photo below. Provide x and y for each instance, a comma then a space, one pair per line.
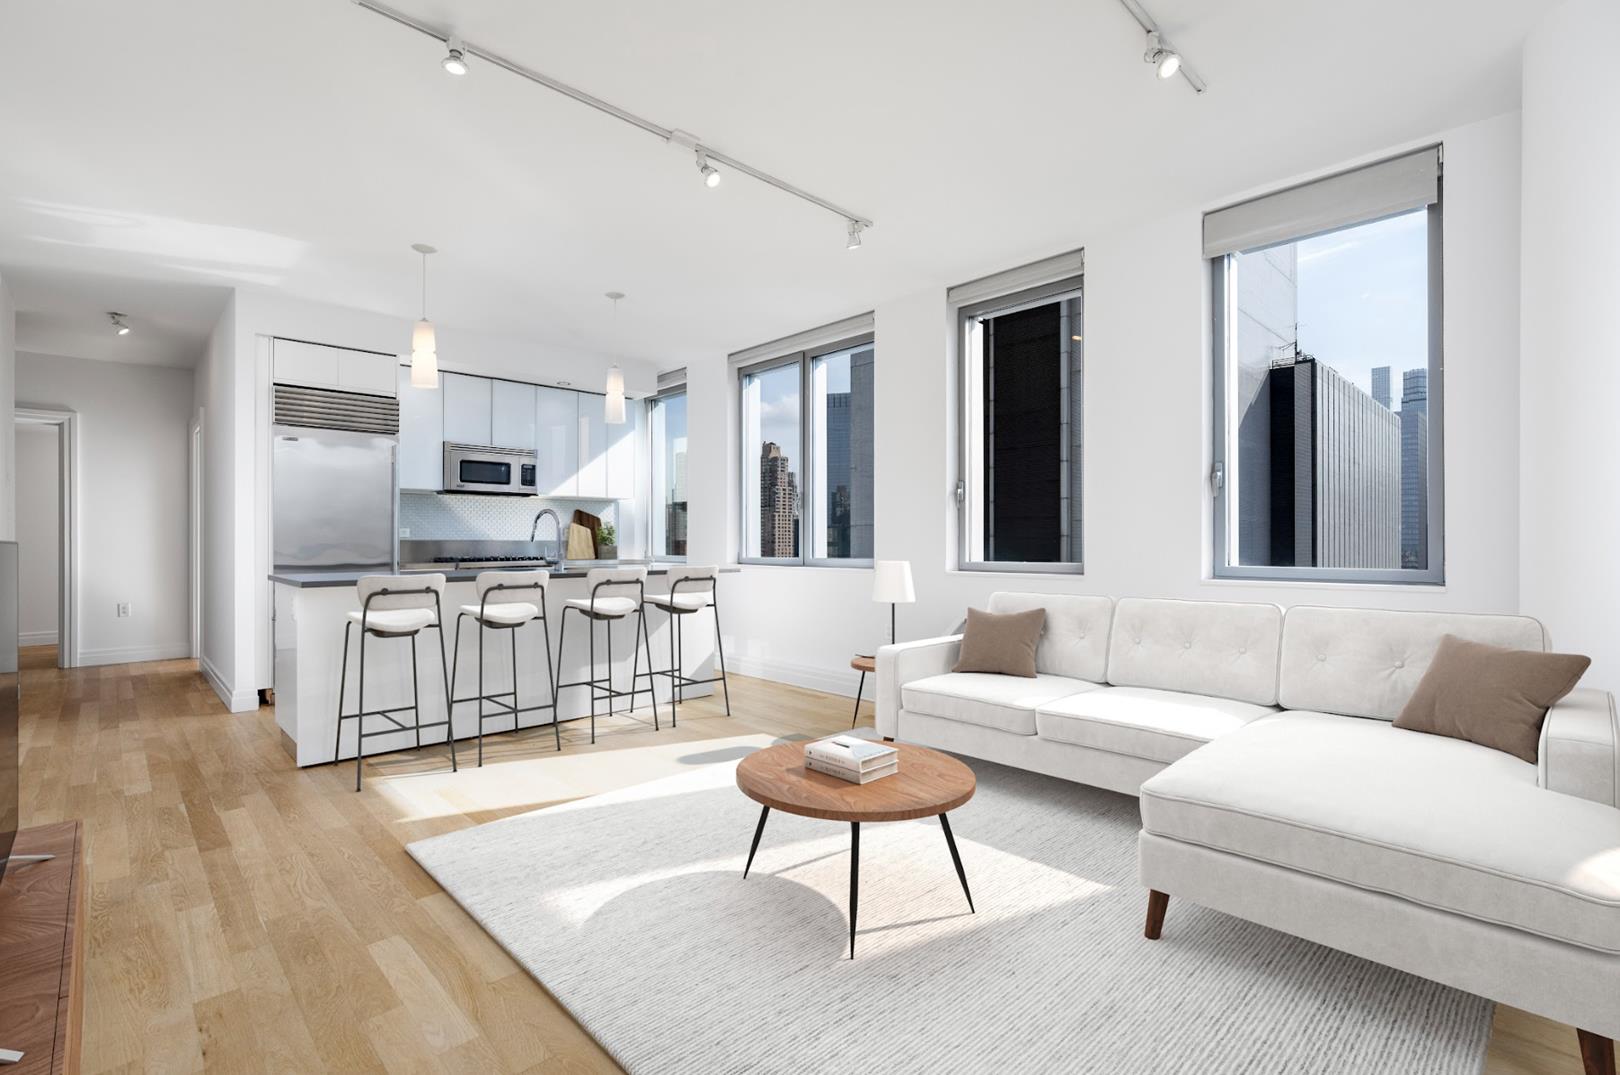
512, 410
556, 440
622, 455
467, 415
319, 366
593, 448
421, 435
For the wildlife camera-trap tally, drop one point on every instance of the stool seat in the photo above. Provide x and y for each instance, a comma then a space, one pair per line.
507, 614
605, 607
394, 621
681, 602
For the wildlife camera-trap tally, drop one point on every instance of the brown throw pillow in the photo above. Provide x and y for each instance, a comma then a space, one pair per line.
1001, 642
1489, 695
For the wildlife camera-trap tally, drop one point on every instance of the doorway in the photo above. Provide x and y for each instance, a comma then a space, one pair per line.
47, 530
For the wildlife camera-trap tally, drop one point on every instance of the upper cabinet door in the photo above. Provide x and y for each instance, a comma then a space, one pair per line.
295, 362
467, 415
622, 455
593, 448
513, 411
556, 441
362, 371
421, 435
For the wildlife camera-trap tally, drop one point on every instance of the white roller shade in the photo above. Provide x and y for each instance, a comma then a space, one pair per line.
1378, 190
1035, 274
859, 325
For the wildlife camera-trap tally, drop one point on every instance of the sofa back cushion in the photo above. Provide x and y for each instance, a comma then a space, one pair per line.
1367, 662
1075, 643
1223, 649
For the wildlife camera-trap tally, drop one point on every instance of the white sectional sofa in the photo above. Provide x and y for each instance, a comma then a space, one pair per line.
1274, 787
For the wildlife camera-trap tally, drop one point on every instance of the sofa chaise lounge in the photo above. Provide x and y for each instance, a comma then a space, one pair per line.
1275, 788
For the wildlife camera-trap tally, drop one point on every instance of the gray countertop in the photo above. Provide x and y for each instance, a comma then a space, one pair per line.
341, 577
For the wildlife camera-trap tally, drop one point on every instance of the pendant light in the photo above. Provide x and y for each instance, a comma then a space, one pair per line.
424, 350
613, 406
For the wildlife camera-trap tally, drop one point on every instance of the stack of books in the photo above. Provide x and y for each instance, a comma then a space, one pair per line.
860, 761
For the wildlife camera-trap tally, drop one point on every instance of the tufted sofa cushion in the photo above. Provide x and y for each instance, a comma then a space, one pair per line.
1222, 649
1367, 662
1075, 643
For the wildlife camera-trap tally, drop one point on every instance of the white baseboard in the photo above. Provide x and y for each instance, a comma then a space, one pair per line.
131, 654
812, 677
37, 638
235, 701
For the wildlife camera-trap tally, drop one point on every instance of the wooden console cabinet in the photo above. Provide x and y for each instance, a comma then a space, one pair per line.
42, 952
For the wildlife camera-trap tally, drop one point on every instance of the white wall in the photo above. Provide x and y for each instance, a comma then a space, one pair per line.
39, 533
8, 413
1570, 522
132, 500
223, 400
1148, 513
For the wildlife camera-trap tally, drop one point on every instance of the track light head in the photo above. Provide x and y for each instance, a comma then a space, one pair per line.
455, 61
710, 174
855, 229
119, 325
1166, 60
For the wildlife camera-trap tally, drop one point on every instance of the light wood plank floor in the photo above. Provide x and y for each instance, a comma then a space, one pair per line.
249, 916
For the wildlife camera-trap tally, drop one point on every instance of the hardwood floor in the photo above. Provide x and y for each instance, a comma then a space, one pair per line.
249, 916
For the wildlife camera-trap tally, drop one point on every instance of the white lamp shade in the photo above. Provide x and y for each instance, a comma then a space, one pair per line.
424, 369
613, 407
422, 338
891, 582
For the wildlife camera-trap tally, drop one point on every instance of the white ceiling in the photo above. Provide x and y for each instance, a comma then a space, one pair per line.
64, 312
303, 145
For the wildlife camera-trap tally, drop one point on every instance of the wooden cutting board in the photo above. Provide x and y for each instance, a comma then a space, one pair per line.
581, 543
591, 523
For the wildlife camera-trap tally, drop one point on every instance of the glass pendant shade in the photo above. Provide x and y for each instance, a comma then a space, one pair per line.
613, 407
424, 356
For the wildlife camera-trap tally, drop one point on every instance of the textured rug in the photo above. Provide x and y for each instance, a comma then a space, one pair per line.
632, 910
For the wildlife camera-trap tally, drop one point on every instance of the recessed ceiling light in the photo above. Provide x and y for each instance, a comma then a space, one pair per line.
455, 61
119, 325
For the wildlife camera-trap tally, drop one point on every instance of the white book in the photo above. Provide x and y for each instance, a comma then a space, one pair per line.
851, 751
864, 777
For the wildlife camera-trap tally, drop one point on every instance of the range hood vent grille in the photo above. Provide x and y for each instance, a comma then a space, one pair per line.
325, 408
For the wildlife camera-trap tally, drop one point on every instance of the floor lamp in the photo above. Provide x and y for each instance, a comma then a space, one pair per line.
891, 582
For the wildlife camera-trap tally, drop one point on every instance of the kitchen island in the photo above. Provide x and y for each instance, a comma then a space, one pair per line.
311, 608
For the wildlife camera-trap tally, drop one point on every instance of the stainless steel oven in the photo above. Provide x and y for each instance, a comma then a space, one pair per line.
470, 468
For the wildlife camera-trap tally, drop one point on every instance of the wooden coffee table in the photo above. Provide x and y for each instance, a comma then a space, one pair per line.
929, 784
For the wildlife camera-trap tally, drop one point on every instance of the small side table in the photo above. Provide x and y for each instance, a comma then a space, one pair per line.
863, 665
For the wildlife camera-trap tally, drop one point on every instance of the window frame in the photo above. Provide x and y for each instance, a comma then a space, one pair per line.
1071, 285
804, 360
1223, 452
655, 506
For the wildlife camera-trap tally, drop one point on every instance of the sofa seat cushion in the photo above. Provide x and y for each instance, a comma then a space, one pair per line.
1143, 722
1006, 703
1441, 822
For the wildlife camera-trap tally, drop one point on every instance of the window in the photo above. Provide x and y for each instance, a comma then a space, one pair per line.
1022, 377
1327, 373
667, 411
813, 405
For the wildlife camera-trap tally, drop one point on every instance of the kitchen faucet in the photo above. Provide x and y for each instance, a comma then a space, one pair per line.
556, 521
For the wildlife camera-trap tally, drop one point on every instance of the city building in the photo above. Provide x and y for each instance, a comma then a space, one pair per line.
1415, 468
778, 503
1380, 386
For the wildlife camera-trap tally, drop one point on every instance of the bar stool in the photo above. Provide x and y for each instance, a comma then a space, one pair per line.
506, 601
691, 589
393, 606
602, 607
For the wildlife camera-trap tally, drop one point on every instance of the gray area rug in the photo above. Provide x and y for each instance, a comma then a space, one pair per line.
631, 909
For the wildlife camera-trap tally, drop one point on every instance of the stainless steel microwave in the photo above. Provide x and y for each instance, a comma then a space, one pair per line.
471, 468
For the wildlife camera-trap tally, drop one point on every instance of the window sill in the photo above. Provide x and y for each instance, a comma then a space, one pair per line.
863, 566
1077, 572
1328, 586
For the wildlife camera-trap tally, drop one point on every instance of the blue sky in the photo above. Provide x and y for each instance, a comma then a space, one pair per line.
1363, 298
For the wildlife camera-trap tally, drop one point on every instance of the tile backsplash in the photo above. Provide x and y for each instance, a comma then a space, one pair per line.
454, 517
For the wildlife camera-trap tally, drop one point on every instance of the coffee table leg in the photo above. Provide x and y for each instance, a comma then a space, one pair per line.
759, 830
961, 874
854, 879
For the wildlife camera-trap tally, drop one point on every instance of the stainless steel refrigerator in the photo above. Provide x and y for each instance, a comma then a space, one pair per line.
333, 490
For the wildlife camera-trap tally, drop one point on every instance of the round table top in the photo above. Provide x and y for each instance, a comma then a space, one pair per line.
862, 663
928, 783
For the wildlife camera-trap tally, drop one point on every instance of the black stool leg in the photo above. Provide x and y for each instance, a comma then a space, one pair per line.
360, 719
607, 627
449, 703
720, 648
591, 675
644, 636
416, 697
343, 677
674, 671
635, 667
513, 632
861, 687
556, 717
479, 703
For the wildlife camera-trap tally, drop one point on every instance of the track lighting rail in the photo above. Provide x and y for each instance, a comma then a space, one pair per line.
667, 134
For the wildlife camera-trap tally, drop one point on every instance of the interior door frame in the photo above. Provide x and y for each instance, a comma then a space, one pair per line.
67, 423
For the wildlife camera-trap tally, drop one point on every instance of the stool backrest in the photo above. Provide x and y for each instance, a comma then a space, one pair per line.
369, 585
512, 587
692, 579
614, 578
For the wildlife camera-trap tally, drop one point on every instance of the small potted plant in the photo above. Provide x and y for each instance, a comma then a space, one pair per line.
607, 542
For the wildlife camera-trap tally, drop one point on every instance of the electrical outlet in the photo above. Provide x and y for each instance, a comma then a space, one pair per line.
123, 609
